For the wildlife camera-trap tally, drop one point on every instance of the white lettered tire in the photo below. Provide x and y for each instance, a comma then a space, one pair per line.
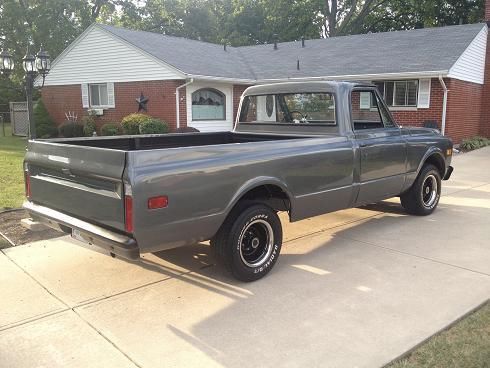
249, 242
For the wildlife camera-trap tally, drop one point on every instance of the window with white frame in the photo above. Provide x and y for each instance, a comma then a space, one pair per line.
208, 104
403, 93
98, 95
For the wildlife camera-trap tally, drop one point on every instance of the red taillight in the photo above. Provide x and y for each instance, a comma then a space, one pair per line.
27, 178
157, 202
128, 214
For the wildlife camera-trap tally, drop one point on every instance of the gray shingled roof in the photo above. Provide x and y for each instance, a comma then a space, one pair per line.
417, 51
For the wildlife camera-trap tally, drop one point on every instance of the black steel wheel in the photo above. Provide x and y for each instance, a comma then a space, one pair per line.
249, 242
423, 197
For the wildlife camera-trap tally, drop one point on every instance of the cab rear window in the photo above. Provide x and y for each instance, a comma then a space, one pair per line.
293, 108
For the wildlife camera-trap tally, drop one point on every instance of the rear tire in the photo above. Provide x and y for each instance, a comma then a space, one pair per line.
249, 241
423, 197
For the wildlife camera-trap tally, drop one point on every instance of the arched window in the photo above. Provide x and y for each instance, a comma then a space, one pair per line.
208, 104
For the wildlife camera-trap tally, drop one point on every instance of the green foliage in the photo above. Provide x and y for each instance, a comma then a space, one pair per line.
12, 152
473, 143
463, 345
110, 129
89, 126
45, 126
131, 123
153, 126
70, 129
409, 14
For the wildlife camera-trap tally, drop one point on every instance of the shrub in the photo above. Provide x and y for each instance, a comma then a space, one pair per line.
186, 130
70, 129
45, 126
89, 126
131, 123
110, 129
474, 143
153, 126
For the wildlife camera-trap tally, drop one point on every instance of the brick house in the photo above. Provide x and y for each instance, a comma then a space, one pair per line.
427, 76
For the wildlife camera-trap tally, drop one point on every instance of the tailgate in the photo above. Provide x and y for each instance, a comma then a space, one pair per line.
85, 182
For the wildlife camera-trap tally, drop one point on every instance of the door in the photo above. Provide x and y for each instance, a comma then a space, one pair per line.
383, 149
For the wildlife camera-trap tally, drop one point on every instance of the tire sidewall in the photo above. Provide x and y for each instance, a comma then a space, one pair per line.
420, 188
239, 268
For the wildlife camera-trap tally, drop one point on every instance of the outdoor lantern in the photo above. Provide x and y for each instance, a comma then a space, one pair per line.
6, 62
43, 62
29, 63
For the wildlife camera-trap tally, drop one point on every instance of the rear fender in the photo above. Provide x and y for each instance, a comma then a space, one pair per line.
255, 183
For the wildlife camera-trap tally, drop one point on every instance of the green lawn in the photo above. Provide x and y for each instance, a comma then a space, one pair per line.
465, 345
12, 150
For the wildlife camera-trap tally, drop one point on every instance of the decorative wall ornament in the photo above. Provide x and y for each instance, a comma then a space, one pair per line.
142, 101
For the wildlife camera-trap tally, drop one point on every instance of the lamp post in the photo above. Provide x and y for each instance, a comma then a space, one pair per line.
33, 65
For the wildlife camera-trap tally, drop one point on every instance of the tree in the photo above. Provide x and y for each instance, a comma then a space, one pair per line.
409, 14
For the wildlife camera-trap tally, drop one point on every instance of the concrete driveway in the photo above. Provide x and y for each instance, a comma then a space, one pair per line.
352, 289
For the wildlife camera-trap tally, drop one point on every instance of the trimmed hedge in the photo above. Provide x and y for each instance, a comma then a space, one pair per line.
153, 126
89, 126
474, 143
110, 129
45, 126
131, 123
70, 129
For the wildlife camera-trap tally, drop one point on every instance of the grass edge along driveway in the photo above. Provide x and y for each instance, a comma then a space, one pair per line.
12, 151
465, 344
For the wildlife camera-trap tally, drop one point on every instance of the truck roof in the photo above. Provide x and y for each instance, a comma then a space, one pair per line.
295, 87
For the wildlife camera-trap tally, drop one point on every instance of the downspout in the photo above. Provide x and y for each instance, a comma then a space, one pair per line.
444, 104
177, 101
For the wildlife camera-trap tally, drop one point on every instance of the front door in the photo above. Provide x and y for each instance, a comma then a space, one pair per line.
383, 149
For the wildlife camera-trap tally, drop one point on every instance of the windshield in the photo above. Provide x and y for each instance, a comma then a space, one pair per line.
293, 108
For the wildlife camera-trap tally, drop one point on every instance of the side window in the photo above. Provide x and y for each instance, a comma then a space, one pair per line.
365, 110
385, 115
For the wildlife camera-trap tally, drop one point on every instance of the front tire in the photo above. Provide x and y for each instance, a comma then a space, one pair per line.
249, 242
423, 197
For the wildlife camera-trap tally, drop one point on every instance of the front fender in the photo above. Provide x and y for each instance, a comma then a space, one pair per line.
432, 151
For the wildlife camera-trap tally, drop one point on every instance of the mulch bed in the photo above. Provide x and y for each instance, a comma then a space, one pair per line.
10, 227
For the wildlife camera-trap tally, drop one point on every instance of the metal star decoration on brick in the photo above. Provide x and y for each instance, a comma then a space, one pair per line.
142, 101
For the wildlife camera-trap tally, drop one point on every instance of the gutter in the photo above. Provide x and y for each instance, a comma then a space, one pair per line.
444, 104
177, 101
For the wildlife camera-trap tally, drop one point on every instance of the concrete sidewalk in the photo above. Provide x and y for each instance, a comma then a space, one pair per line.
355, 288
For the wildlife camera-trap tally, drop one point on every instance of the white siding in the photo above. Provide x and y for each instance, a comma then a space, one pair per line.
471, 64
99, 57
211, 125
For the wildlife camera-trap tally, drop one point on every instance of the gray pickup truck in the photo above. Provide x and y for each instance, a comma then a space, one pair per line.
305, 148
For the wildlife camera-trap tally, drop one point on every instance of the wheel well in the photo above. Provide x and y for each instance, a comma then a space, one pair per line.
271, 195
436, 160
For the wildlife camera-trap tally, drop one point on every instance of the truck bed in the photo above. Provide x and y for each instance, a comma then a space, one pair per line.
147, 142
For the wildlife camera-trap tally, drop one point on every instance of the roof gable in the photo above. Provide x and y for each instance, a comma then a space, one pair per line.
122, 62
471, 64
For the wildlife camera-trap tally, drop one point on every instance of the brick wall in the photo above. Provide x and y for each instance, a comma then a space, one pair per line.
161, 104
485, 103
417, 117
237, 93
487, 10
463, 109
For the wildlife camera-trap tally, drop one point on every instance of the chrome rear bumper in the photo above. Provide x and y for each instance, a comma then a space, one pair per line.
117, 244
